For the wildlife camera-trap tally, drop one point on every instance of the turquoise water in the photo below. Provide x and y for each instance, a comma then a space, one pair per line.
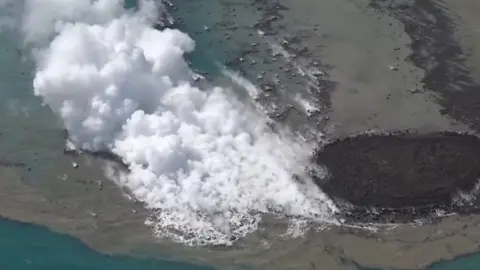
30, 134
470, 262
465, 263
30, 247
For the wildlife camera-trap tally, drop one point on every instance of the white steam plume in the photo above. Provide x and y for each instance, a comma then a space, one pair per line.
205, 163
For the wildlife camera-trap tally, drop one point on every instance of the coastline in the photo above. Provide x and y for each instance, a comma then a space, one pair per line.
26, 245
100, 214
365, 59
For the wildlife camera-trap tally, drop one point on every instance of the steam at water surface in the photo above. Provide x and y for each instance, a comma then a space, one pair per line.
206, 164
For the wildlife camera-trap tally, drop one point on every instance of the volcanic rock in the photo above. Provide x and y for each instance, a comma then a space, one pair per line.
399, 171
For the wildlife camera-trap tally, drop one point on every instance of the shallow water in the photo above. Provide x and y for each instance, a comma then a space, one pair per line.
30, 247
30, 123
24, 120
470, 262
465, 263
196, 15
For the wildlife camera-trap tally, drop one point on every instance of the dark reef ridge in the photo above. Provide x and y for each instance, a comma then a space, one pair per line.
400, 177
437, 50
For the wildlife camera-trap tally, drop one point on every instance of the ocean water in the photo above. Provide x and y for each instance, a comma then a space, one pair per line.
469, 262
25, 246
30, 247
25, 122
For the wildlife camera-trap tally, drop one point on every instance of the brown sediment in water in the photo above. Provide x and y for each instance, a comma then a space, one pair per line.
78, 201
371, 56
440, 48
354, 45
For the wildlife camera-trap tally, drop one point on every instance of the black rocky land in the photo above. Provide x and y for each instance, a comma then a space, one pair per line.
404, 176
407, 175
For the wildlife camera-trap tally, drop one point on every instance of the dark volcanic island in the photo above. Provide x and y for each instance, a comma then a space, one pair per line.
400, 177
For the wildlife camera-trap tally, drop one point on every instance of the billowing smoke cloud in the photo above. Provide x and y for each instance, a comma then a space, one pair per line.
207, 164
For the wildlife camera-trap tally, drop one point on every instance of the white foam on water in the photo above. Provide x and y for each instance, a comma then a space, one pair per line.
206, 165
243, 82
296, 228
462, 198
306, 105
